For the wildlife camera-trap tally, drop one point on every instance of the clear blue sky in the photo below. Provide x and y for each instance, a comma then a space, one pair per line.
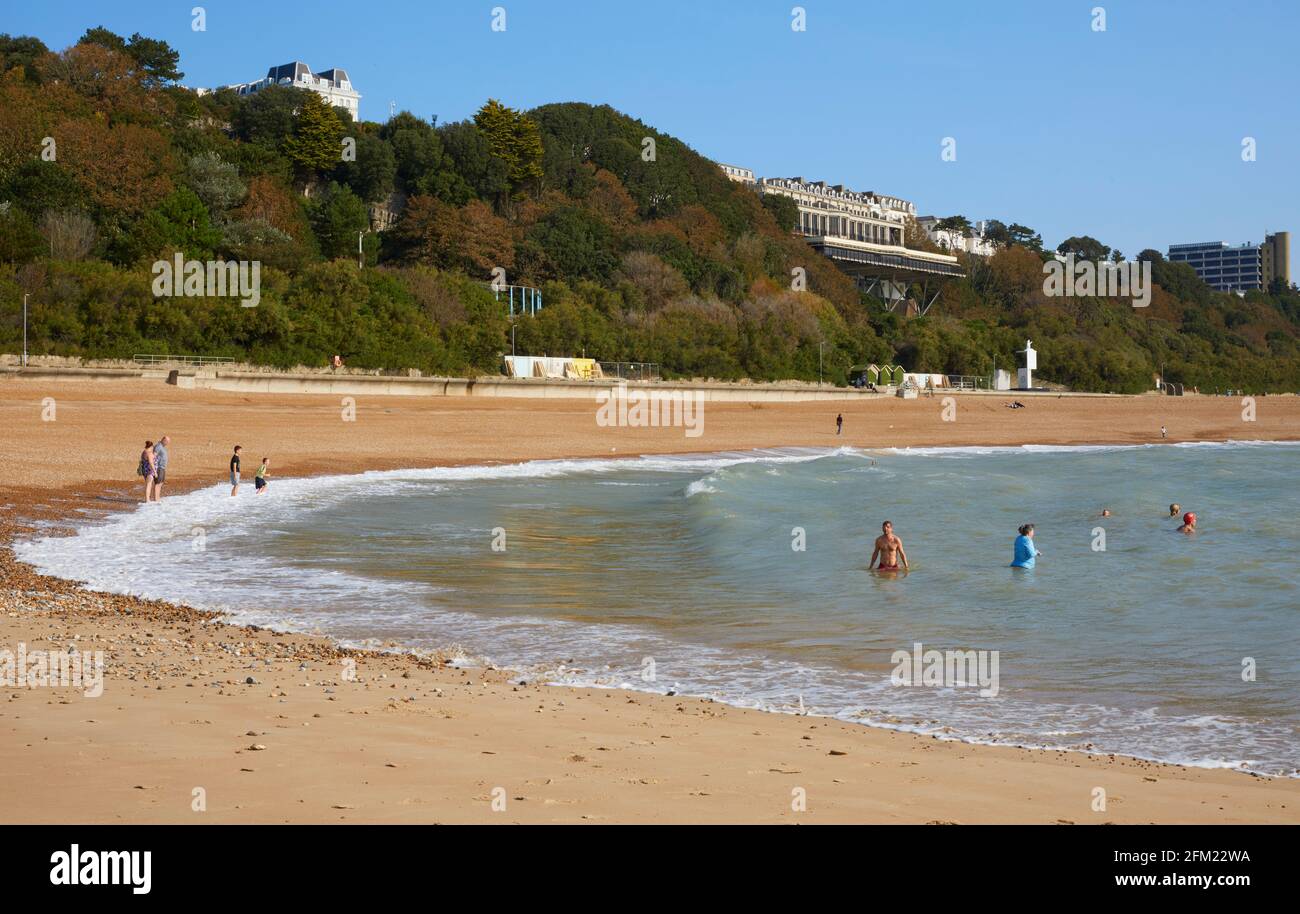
1132, 135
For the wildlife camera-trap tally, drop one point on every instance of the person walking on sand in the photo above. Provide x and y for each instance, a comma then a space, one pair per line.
839, 423
160, 465
259, 481
1164, 433
146, 469
890, 550
234, 472
1025, 551
1189, 523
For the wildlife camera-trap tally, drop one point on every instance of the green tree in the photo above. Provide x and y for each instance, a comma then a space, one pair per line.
21, 51
217, 183
1026, 237
38, 186
471, 155
515, 139
317, 141
267, 117
784, 210
156, 60
180, 223
338, 217
372, 174
423, 167
1084, 247
20, 242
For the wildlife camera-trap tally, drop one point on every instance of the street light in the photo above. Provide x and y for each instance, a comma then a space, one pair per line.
820, 344
360, 255
25, 294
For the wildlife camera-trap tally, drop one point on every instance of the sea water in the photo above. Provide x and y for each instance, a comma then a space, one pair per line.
744, 577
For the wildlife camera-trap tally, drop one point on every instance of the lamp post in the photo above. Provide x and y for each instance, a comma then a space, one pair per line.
25, 294
820, 344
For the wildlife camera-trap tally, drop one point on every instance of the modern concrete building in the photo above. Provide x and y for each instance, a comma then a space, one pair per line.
333, 85
1239, 268
949, 240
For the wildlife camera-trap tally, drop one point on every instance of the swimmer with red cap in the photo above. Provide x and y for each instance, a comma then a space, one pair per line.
1189, 523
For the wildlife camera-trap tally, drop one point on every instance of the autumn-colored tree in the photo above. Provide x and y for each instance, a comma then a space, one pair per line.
704, 233
470, 238
268, 201
126, 168
317, 141
610, 200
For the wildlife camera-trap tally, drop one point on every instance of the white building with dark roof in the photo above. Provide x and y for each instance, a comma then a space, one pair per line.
333, 85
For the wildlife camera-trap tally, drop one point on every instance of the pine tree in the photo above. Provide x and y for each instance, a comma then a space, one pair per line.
514, 139
317, 141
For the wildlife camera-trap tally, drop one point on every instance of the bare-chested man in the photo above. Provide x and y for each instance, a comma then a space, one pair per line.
890, 550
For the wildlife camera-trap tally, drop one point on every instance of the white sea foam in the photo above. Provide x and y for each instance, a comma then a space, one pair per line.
149, 552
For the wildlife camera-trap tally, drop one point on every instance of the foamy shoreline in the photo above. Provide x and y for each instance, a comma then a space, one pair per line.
646, 777
581, 676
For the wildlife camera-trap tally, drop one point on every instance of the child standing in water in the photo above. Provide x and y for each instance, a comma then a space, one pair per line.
259, 481
1025, 551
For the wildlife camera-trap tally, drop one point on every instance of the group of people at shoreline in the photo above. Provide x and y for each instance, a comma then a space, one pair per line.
889, 548
153, 469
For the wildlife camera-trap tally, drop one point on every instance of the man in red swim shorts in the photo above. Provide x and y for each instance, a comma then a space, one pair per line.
890, 550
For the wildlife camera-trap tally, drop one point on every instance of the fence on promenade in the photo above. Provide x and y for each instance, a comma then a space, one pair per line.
631, 371
187, 360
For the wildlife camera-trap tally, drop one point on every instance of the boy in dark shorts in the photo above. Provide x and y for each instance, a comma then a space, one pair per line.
259, 481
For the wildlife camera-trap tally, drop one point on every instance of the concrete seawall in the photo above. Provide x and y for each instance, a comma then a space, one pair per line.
396, 386
358, 385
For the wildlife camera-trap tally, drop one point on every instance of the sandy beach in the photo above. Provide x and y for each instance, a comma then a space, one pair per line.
268, 727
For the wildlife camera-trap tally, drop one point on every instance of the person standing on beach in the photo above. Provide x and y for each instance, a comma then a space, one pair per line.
160, 465
259, 481
1163, 432
234, 472
146, 469
890, 550
1025, 552
839, 423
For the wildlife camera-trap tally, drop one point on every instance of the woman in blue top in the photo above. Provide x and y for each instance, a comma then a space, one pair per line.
1025, 551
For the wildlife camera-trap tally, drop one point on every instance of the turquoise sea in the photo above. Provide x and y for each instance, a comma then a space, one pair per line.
680, 573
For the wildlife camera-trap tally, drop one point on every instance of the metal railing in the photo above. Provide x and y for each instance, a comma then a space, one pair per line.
968, 382
631, 371
151, 359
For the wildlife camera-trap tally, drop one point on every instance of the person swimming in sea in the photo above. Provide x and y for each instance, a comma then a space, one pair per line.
1105, 512
1174, 509
1025, 552
1189, 523
890, 550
